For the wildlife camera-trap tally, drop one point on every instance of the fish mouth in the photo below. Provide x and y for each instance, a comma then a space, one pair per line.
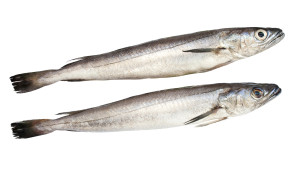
280, 34
277, 38
274, 93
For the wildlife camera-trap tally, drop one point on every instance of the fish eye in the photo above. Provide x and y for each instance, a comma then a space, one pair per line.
261, 34
257, 93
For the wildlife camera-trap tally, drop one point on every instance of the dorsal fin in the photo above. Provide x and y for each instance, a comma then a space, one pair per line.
70, 112
75, 60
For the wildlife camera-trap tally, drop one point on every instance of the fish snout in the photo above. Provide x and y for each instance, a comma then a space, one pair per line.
276, 31
276, 90
277, 34
280, 34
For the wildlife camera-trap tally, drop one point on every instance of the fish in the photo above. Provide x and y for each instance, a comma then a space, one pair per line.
194, 105
168, 57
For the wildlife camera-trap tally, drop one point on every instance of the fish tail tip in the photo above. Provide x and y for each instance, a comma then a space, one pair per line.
27, 129
27, 82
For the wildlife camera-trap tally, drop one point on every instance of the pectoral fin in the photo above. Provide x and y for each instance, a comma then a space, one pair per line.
211, 122
203, 50
202, 116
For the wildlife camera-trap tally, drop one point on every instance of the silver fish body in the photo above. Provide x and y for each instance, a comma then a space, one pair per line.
199, 105
167, 57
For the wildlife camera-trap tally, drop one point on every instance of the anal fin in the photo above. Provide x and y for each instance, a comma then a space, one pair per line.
74, 80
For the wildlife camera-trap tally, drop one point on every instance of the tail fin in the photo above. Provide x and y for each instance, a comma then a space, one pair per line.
26, 129
29, 81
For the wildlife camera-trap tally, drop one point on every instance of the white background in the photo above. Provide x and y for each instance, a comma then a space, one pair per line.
257, 152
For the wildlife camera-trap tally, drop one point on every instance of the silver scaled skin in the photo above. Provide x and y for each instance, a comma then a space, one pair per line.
167, 57
199, 105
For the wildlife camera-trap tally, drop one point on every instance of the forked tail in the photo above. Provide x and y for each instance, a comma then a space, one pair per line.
31, 81
26, 129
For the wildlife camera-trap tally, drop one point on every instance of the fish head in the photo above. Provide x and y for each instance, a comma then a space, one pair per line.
245, 42
245, 97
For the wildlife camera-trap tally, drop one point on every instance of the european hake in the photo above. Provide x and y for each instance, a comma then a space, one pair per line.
199, 105
167, 57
